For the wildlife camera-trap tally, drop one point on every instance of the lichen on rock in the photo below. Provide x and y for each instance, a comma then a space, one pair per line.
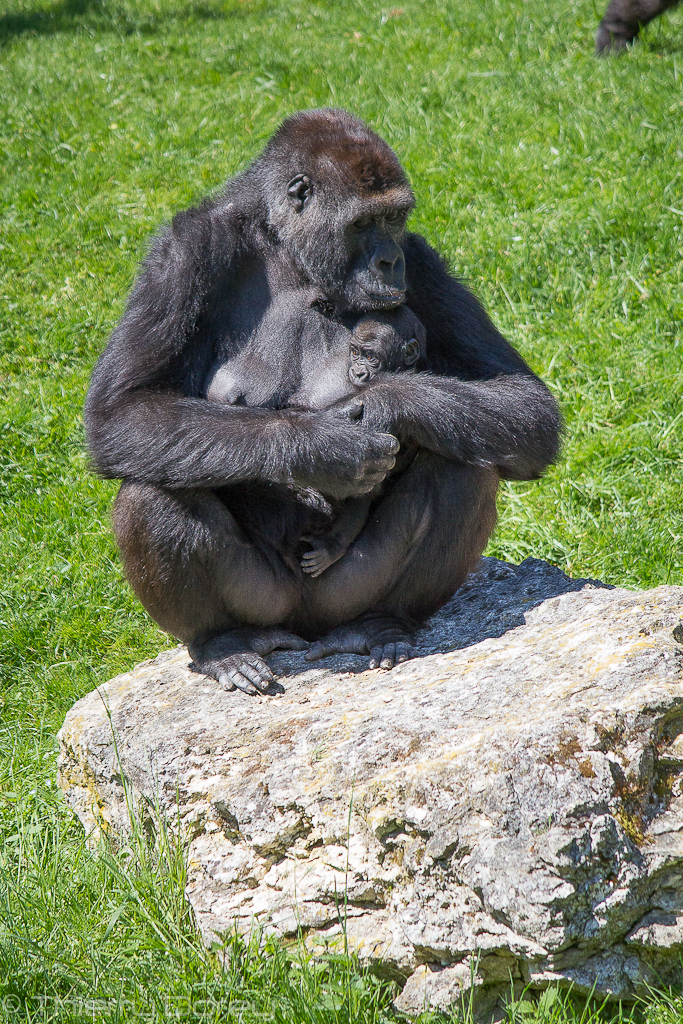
509, 805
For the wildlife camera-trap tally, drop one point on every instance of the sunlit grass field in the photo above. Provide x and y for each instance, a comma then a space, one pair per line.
553, 183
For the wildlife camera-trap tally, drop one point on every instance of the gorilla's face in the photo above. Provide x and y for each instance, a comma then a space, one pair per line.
346, 242
384, 341
375, 276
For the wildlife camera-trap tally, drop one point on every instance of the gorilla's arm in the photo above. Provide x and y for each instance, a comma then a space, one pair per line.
480, 403
144, 415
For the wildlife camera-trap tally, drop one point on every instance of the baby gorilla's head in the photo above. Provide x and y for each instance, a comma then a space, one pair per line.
385, 341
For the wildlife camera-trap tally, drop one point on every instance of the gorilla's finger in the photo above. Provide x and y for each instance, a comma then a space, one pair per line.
226, 682
242, 683
311, 556
350, 410
272, 639
370, 480
315, 568
389, 656
255, 678
320, 649
376, 656
404, 652
291, 642
257, 671
390, 444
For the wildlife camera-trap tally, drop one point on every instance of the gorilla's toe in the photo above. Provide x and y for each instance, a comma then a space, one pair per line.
385, 639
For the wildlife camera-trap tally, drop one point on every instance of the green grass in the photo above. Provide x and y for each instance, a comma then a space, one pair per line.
553, 183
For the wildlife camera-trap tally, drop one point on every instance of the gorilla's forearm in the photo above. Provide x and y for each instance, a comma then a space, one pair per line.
511, 421
180, 442
177, 441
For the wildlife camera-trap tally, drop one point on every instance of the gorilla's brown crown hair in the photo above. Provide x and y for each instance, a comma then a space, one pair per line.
334, 140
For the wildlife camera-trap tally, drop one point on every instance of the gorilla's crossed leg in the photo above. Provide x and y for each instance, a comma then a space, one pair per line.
233, 601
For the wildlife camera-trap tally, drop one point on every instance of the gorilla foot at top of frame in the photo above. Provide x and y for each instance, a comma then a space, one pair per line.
217, 498
623, 20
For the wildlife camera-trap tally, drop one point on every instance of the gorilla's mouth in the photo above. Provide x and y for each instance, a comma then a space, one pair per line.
386, 298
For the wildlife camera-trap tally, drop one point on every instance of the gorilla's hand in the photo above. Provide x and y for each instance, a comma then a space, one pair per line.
344, 459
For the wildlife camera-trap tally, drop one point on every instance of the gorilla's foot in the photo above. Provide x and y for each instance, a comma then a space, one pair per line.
385, 639
265, 640
610, 41
235, 659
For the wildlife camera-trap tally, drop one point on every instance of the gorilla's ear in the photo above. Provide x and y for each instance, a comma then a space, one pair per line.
299, 191
411, 352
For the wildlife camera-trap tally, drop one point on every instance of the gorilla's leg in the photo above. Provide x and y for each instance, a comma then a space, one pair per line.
417, 548
203, 581
623, 19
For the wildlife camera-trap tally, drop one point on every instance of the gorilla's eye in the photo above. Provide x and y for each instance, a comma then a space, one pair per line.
355, 351
370, 355
362, 222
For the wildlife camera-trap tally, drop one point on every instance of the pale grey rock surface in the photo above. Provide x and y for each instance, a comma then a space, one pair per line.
509, 807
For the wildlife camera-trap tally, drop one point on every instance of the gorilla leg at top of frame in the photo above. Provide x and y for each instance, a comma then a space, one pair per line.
624, 19
205, 520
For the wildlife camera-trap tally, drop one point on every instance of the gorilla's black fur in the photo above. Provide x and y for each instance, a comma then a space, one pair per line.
624, 19
213, 508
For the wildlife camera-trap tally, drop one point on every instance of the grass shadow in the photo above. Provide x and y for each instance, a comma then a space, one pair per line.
127, 18
45, 21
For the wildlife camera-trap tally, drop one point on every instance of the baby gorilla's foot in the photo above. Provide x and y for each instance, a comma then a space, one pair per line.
322, 556
385, 639
234, 658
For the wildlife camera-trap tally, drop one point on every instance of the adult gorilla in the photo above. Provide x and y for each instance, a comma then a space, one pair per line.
214, 502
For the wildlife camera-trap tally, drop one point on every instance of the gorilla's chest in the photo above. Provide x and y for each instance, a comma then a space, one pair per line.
294, 357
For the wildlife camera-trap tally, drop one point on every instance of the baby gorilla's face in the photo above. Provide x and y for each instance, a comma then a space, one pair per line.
378, 346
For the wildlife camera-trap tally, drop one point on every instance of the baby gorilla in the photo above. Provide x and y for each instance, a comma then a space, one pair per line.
385, 341
339, 362
380, 342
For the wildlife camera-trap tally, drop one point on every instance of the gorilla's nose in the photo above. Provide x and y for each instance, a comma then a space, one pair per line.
389, 263
359, 375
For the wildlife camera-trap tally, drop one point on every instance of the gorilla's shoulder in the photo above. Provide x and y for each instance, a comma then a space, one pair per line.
419, 252
207, 234
426, 268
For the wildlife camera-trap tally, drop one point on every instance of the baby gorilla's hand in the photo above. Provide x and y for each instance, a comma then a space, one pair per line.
324, 554
348, 408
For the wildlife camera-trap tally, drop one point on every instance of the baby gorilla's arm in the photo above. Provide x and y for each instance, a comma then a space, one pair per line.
329, 549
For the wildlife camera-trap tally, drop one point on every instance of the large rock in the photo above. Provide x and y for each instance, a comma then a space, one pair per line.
511, 807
